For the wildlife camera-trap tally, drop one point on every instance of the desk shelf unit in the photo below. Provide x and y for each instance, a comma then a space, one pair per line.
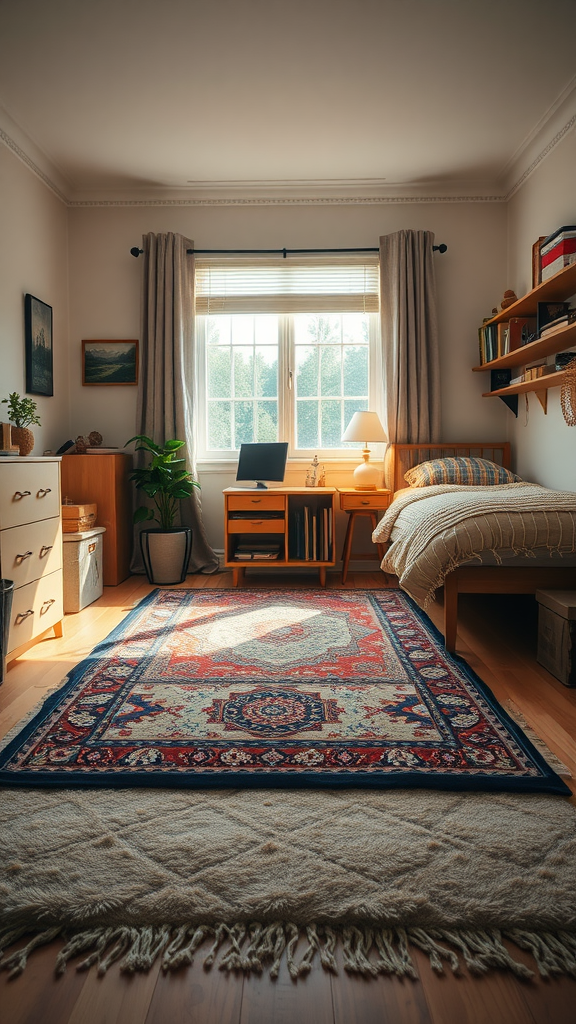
556, 289
276, 518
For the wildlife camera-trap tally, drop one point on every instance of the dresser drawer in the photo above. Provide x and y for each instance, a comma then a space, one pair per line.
36, 607
256, 502
29, 492
28, 552
255, 525
365, 499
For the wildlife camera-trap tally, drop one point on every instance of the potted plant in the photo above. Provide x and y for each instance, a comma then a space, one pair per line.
165, 548
22, 412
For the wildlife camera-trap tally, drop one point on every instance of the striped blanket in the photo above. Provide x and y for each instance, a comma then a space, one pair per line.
432, 530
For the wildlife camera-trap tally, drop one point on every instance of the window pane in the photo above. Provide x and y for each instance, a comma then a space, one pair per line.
355, 328
306, 372
350, 407
219, 425
243, 423
266, 330
218, 330
331, 427
328, 330
307, 424
267, 421
219, 373
330, 366
242, 329
243, 375
355, 370
266, 372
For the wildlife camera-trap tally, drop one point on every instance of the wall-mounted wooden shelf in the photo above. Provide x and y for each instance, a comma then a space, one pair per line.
539, 349
540, 385
555, 289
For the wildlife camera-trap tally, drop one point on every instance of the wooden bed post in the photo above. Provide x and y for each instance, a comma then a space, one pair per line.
450, 611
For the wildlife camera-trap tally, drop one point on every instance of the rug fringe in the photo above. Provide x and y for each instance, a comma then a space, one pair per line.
250, 947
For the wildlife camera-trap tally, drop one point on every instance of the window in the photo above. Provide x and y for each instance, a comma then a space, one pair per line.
286, 352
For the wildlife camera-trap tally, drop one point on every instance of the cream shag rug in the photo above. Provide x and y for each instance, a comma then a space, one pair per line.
133, 875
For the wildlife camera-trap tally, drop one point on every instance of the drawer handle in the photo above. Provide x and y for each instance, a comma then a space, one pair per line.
256, 522
23, 615
366, 501
21, 494
45, 549
22, 558
256, 501
47, 604
43, 492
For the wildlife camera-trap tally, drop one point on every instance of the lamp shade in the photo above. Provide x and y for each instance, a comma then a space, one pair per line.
365, 426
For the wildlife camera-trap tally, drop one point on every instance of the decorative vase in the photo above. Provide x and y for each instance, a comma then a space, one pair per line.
24, 438
166, 553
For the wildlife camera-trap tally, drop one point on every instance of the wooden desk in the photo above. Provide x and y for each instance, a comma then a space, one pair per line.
361, 503
297, 521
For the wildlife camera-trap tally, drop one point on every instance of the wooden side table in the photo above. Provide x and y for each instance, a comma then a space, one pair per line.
361, 503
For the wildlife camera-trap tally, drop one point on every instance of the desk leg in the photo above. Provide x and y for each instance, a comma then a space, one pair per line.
347, 546
58, 629
237, 577
322, 571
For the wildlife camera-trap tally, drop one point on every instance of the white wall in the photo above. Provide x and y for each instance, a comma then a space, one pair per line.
34, 259
105, 296
545, 446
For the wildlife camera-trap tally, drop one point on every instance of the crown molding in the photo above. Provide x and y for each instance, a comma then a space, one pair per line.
558, 121
555, 124
16, 140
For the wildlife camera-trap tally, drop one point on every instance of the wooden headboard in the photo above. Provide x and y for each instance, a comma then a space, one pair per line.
402, 457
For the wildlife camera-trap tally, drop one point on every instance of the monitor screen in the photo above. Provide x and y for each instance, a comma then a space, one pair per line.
264, 461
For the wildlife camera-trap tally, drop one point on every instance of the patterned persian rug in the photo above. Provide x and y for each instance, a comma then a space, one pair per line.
271, 688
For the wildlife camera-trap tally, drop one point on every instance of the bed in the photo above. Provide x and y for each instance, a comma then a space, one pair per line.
514, 538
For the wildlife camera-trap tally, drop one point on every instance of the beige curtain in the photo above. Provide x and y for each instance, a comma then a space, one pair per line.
410, 361
167, 358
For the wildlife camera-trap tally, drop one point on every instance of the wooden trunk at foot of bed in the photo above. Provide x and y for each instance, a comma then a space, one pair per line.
498, 579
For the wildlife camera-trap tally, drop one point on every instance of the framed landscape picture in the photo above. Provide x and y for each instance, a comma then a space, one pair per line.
38, 341
109, 362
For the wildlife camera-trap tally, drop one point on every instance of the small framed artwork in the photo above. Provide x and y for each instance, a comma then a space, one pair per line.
38, 341
109, 362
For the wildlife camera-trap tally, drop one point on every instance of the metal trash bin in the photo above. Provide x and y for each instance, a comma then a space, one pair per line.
6, 595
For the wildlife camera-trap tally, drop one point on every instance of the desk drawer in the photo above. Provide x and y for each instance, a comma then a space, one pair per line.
256, 502
29, 552
364, 500
36, 607
255, 525
29, 492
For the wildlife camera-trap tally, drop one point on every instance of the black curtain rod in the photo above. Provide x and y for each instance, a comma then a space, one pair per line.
273, 252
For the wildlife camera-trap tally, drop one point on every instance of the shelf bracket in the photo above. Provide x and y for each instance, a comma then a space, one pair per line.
511, 401
542, 397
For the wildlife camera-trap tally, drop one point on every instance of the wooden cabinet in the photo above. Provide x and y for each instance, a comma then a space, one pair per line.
295, 524
31, 548
103, 479
556, 289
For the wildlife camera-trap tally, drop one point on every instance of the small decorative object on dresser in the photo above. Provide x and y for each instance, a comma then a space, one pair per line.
316, 475
22, 412
165, 548
38, 326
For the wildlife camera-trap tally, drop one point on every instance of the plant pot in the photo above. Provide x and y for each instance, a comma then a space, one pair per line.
24, 438
166, 553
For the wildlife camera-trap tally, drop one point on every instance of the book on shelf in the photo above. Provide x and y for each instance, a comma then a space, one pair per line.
548, 313
521, 331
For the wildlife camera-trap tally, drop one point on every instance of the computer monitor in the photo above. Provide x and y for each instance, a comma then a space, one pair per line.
262, 461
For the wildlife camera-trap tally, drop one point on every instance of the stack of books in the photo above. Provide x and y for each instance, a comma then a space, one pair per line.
252, 551
569, 317
558, 251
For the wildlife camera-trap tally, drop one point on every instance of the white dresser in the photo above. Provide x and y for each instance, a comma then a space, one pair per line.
31, 547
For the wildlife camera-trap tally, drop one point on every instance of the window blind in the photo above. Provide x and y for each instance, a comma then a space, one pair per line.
286, 286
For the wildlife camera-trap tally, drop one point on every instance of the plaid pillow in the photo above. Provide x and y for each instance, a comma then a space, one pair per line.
459, 470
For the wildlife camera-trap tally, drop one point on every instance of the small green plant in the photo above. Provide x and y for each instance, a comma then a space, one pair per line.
21, 411
166, 480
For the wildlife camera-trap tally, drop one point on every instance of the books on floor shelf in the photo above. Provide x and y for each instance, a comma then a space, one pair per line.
310, 534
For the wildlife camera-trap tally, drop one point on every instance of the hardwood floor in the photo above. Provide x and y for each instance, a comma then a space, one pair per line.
497, 637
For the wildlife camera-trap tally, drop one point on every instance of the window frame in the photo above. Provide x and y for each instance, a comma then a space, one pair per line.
286, 389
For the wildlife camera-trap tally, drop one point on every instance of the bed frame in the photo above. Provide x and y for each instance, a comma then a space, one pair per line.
482, 579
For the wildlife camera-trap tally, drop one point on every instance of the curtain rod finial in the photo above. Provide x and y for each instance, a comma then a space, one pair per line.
440, 248
135, 251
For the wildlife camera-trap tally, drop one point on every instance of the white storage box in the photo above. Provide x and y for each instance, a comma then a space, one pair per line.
82, 568
557, 633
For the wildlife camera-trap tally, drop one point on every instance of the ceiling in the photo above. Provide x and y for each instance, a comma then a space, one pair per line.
180, 97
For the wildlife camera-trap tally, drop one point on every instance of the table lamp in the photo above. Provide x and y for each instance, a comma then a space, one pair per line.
365, 426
